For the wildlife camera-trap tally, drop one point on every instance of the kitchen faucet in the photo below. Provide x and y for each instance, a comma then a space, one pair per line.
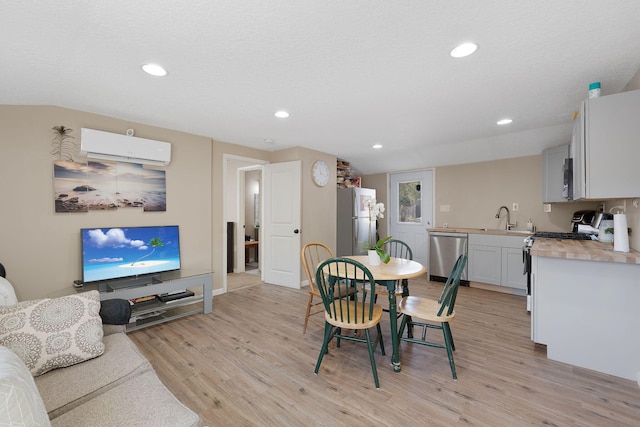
508, 225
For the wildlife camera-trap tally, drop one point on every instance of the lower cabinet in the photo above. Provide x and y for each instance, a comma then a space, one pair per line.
513, 269
497, 260
485, 264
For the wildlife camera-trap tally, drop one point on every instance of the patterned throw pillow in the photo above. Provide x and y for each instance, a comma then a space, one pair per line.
53, 333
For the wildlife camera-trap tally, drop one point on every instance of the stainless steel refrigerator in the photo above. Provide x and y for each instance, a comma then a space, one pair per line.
353, 220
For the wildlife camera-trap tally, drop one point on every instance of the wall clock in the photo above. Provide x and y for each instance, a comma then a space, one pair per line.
320, 173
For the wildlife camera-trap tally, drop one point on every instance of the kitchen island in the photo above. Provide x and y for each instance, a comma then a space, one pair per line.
586, 305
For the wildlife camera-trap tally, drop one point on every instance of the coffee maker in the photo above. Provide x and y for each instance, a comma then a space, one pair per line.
582, 218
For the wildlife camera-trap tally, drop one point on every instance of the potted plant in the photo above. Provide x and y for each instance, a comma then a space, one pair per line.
375, 249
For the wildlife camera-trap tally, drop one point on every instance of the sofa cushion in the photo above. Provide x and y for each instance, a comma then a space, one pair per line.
20, 402
141, 401
53, 333
64, 389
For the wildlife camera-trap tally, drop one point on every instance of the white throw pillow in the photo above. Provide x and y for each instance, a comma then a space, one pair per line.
53, 333
7, 294
20, 402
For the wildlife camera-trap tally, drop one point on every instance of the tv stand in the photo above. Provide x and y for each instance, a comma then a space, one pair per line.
157, 311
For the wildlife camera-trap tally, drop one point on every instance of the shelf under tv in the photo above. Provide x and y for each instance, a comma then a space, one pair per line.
159, 312
201, 302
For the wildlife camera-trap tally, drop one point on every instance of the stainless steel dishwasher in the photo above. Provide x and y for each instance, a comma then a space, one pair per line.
444, 250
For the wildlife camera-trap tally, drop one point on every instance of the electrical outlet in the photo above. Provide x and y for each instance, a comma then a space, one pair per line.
515, 207
444, 208
547, 207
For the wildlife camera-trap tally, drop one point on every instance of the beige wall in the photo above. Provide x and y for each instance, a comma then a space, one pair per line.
41, 248
475, 191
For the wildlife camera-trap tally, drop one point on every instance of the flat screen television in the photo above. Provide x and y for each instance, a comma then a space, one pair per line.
117, 253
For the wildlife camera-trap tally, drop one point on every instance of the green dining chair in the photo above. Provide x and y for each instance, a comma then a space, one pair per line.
348, 306
427, 313
397, 249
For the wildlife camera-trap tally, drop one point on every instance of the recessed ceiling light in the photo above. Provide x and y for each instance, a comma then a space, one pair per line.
377, 146
281, 114
504, 122
269, 141
465, 49
154, 70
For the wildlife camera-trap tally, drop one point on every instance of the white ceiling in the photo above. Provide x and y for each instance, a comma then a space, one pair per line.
351, 73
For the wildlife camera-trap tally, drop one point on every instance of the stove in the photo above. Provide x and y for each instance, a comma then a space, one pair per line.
528, 241
560, 235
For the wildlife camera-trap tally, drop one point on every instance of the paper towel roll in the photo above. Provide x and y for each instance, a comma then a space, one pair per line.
620, 235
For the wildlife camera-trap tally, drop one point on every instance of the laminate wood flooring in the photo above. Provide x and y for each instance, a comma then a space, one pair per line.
249, 364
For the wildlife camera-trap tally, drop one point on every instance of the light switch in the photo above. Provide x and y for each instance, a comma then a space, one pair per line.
444, 208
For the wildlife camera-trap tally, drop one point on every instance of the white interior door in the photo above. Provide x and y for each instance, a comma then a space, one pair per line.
411, 210
281, 231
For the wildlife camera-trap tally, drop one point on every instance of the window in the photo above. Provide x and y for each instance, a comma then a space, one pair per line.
410, 202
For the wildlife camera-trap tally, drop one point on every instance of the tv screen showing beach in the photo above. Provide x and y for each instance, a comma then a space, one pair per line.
112, 253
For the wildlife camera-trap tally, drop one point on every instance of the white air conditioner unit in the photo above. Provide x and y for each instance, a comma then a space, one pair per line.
96, 144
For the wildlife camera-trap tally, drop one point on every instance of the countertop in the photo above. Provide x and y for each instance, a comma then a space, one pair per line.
587, 250
499, 232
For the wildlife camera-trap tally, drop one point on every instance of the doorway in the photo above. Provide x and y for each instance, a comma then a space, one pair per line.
242, 177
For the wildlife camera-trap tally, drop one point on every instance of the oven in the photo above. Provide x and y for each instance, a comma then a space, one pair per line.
526, 252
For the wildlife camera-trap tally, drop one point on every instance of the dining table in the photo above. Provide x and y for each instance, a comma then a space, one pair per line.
386, 275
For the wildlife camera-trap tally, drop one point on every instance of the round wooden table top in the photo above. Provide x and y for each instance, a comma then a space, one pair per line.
396, 269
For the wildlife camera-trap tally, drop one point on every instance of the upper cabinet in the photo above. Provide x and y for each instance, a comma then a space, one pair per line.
605, 148
553, 175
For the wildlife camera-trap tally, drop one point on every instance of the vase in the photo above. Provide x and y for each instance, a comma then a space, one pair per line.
374, 258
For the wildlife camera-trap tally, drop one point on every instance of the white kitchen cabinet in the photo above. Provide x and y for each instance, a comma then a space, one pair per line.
513, 269
552, 174
605, 148
497, 260
485, 264
586, 312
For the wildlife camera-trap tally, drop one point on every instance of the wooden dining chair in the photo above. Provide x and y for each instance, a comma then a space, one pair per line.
348, 306
313, 254
436, 314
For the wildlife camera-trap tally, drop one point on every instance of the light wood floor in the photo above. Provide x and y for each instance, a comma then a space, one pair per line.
248, 364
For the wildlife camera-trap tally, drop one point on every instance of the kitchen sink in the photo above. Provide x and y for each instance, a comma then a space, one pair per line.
502, 230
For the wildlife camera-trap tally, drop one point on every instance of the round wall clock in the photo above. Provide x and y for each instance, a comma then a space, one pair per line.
320, 173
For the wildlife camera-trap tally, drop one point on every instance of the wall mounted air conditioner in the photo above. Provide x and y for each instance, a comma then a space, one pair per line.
95, 144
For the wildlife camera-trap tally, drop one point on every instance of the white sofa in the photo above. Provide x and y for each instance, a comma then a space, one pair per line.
117, 388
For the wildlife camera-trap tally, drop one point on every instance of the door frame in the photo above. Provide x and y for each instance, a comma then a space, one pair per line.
226, 158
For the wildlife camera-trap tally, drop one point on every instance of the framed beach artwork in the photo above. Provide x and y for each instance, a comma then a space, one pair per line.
81, 187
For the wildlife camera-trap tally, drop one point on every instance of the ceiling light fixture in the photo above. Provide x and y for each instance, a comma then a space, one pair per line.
377, 146
465, 49
281, 114
504, 122
154, 70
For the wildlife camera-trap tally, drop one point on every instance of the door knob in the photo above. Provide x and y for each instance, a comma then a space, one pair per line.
296, 231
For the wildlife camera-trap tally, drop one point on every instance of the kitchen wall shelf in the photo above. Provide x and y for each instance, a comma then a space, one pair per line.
344, 176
